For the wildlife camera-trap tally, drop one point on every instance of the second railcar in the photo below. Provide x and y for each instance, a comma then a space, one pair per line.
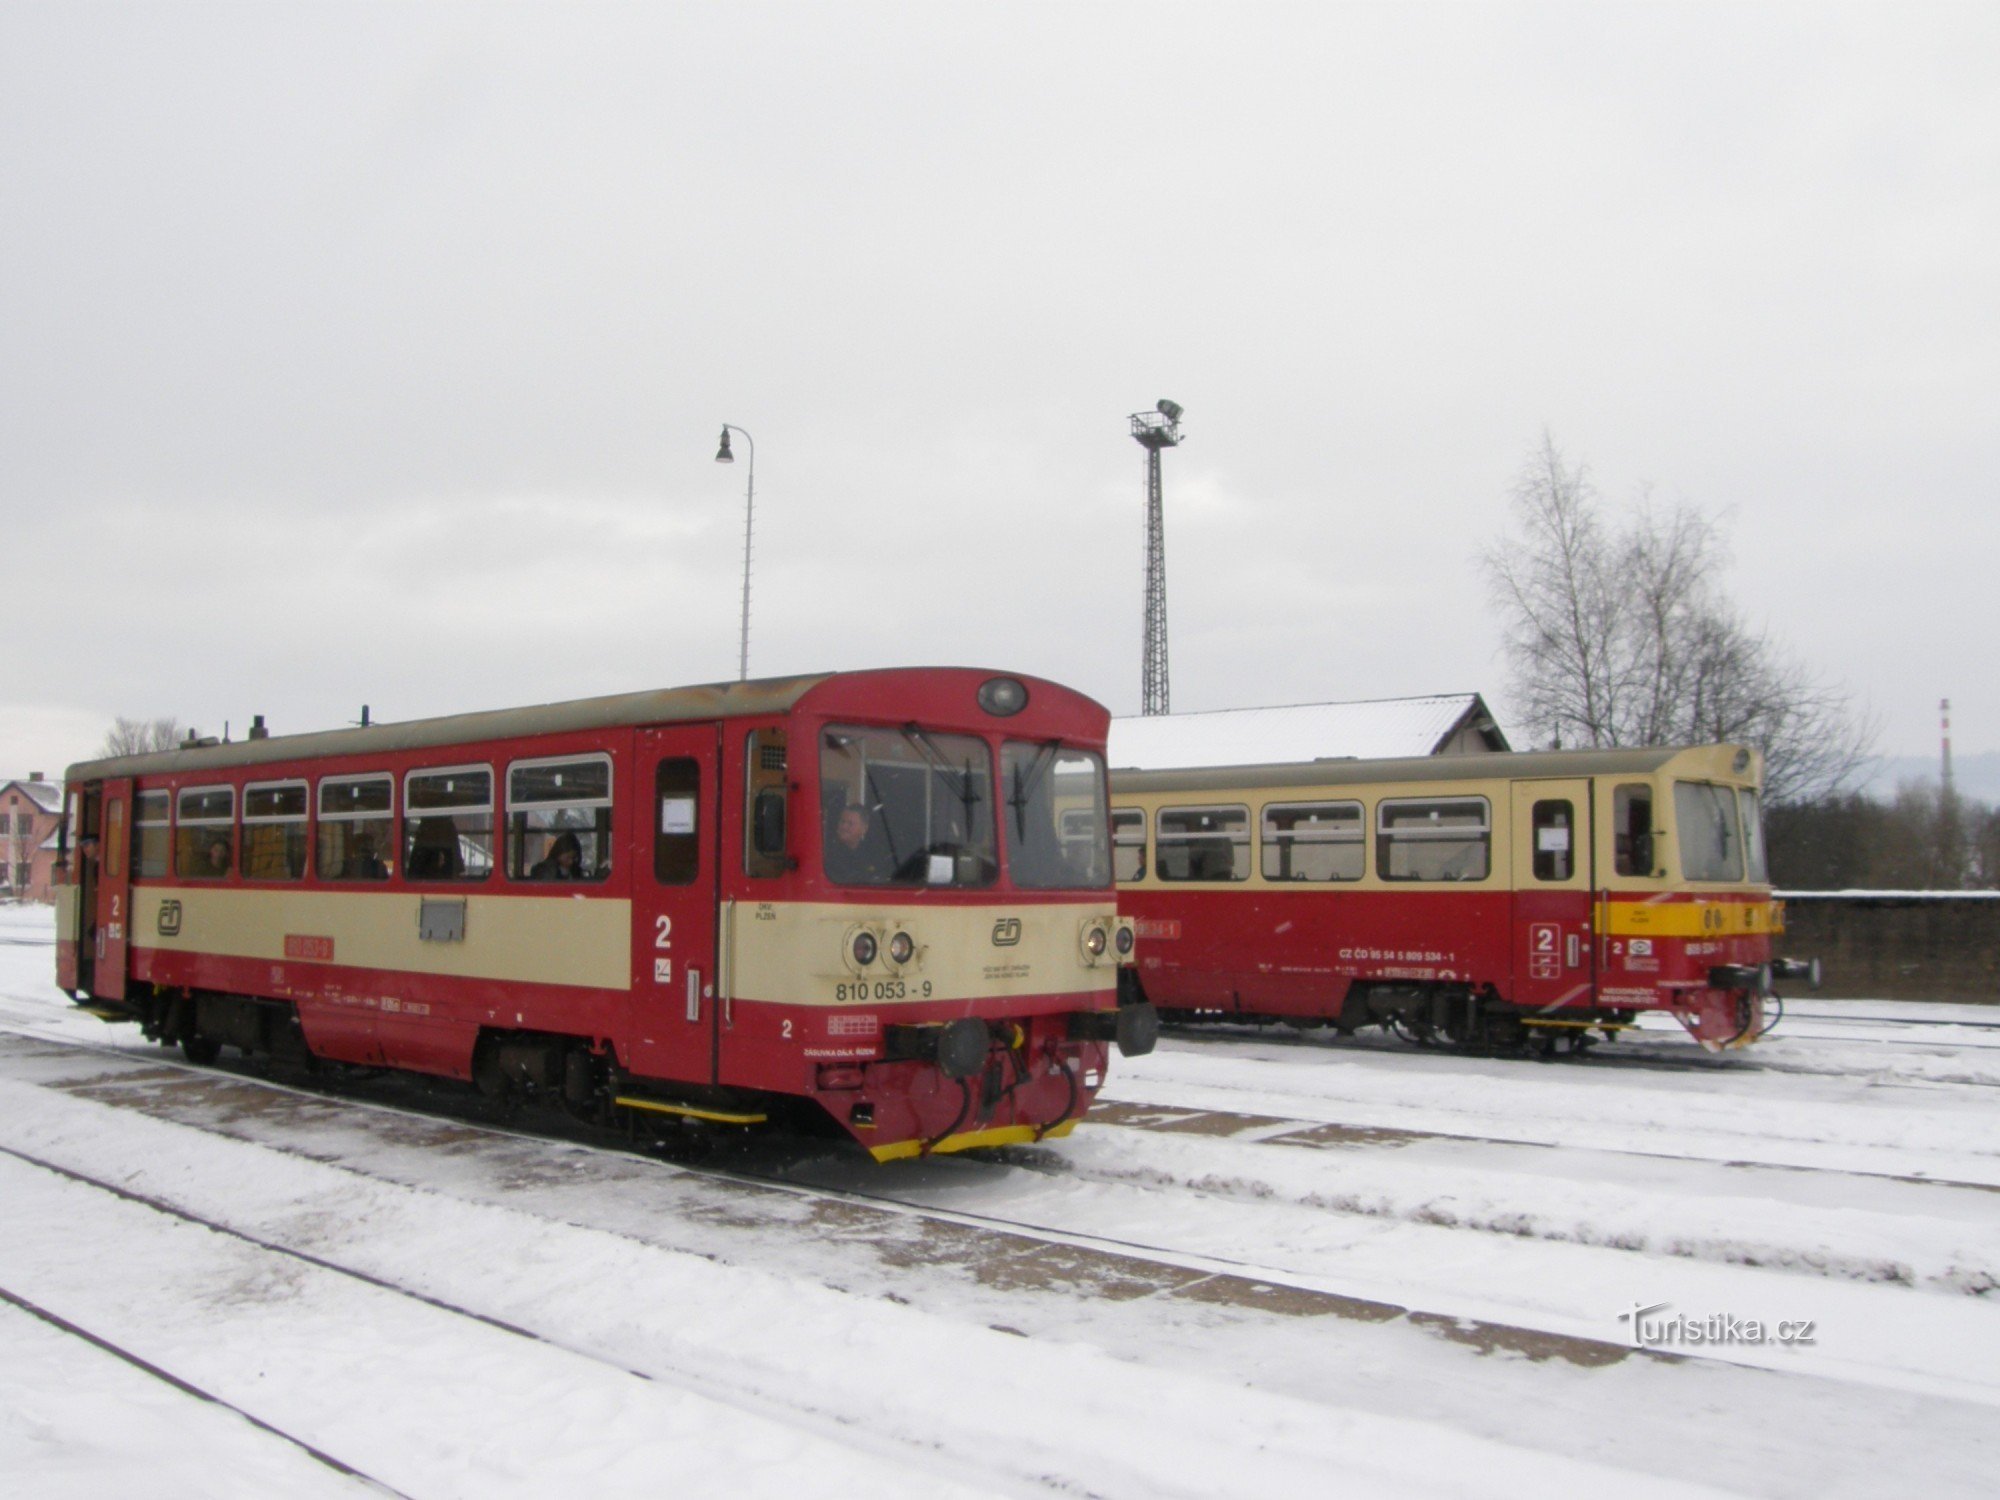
1503, 900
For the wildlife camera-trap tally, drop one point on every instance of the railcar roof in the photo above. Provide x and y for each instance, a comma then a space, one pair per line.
1501, 766
714, 700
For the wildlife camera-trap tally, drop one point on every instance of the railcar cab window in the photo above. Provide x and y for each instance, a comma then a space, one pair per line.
206, 843
448, 824
1710, 843
1203, 843
766, 787
1314, 841
559, 819
1052, 805
906, 807
1433, 838
274, 830
355, 827
1128, 844
1753, 836
152, 839
1632, 822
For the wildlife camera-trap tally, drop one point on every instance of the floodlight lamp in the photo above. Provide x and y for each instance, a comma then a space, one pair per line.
1171, 410
722, 454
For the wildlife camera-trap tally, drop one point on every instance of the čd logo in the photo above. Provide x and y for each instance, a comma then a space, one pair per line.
1006, 932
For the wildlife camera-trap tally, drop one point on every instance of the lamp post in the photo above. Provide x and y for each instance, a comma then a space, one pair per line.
724, 456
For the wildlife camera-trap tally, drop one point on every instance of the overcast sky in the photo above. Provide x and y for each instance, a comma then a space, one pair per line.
377, 353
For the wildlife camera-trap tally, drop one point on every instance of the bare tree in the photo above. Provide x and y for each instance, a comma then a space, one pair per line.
141, 736
1623, 637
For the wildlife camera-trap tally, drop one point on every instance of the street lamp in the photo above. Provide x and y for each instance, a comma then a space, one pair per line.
724, 456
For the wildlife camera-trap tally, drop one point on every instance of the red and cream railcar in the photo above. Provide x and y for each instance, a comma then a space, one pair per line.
639, 904
1489, 900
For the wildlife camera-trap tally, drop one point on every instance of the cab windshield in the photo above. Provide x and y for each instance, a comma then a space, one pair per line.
1753, 835
1711, 844
906, 807
1052, 806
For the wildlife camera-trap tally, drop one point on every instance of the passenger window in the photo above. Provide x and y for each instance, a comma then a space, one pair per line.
677, 822
448, 824
559, 819
274, 830
1433, 838
204, 844
152, 842
1203, 843
1128, 845
1632, 822
355, 827
1555, 839
1314, 841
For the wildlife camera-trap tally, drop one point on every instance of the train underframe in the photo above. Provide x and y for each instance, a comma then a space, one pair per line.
967, 1083
1479, 1020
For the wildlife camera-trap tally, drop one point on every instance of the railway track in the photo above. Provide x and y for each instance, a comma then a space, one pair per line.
185, 1387
1634, 1055
1015, 1251
964, 1239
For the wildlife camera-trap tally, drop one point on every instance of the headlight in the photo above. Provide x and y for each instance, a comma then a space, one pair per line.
1124, 941
864, 948
1093, 941
1003, 697
902, 948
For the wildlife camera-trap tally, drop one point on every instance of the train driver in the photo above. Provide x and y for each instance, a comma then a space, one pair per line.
857, 854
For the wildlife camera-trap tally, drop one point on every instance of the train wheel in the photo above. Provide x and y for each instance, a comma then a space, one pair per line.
200, 1050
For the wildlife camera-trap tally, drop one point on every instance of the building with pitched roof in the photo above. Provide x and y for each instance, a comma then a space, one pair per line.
30, 811
1378, 729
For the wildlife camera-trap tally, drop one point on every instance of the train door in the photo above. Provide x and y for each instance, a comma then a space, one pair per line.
673, 905
113, 901
1555, 959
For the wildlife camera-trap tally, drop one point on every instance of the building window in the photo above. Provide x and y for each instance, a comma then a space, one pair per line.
1203, 843
274, 830
448, 824
204, 842
355, 827
152, 839
1314, 841
1433, 838
1554, 831
559, 819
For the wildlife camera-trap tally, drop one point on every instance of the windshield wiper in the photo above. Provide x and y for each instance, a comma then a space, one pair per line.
1025, 783
967, 789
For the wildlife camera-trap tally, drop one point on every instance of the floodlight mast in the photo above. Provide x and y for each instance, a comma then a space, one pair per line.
1155, 430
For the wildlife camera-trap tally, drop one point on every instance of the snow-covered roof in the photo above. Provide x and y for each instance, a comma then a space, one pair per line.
44, 794
1856, 895
1378, 729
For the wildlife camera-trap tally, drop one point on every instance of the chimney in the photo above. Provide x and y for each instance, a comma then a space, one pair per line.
257, 729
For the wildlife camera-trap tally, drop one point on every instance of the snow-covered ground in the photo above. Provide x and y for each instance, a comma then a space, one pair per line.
1269, 1266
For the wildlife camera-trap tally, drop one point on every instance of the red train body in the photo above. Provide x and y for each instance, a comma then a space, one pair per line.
1488, 900
638, 904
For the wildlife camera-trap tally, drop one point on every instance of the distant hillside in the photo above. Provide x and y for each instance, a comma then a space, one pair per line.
1977, 776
